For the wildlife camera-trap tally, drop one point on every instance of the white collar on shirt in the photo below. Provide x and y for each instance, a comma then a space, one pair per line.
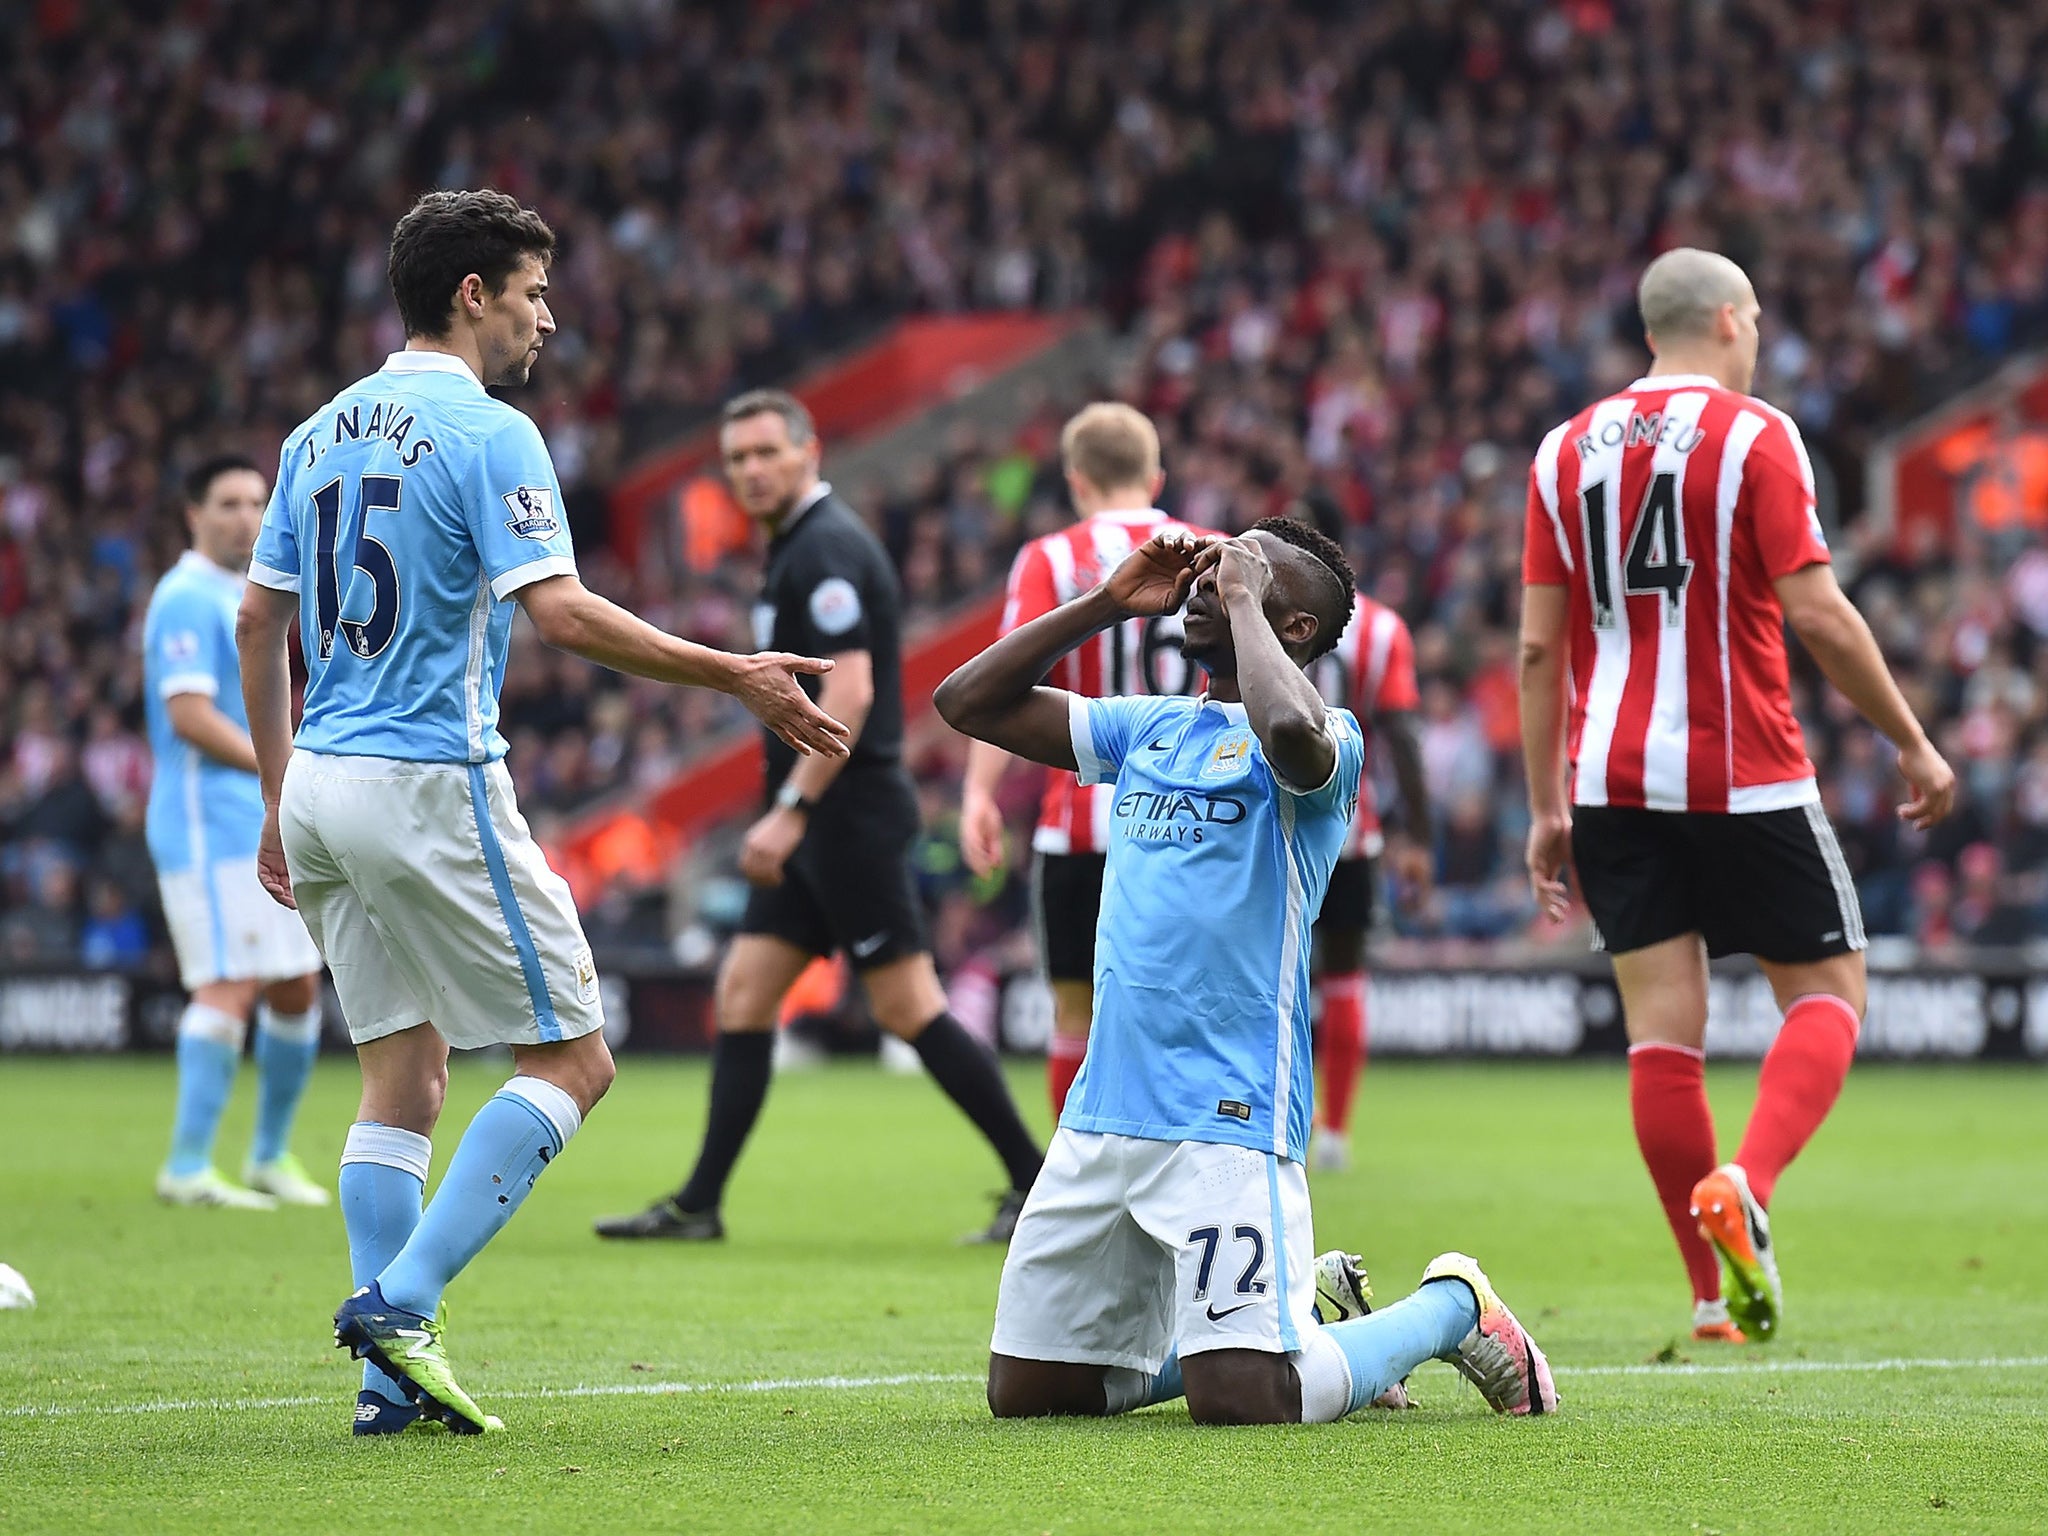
1235, 713
428, 362
810, 499
1673, 381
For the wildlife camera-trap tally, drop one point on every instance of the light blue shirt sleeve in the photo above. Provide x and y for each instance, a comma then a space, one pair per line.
184, 644
275, 561
1340, 792
1103, 730
515, 511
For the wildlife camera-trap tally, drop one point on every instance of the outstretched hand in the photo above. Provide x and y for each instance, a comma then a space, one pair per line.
767, 685
1158, 575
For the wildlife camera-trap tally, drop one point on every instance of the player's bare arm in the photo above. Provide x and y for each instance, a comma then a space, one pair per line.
981, 818
1821, 614
1408, 846
202, 723
997, 697
1284, 708
572, 618
265, 619
847, 696
1544, 611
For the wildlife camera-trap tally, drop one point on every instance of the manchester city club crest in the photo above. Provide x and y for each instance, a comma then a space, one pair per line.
533, 512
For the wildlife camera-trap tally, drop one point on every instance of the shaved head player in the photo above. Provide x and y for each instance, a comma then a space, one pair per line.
1671, 535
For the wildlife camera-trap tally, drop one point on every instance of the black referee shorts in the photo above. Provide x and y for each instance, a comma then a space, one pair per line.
1772, 884
1067, 893
1347, 905
850, 885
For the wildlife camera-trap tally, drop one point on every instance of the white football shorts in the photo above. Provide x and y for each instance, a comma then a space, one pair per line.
1129, 1248
225, 927
432, 903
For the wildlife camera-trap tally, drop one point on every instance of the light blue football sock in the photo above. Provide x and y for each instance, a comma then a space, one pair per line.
1124, 1389
1384, 1346
286, 1045
209, 1051
507, 1146
383, 1177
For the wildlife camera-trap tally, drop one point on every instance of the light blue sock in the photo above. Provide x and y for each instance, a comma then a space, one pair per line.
209, 1050
1386, 1345
1124, 1389
383, 1176
507, 1146
286, 1045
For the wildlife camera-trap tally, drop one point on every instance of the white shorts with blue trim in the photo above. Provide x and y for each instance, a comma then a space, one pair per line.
1129, 1248
225, 927
433, 904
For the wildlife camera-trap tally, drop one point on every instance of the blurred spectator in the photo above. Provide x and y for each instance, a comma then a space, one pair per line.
1364, 255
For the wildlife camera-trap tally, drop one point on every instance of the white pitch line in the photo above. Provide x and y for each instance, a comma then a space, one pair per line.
614, 1389
936, 1378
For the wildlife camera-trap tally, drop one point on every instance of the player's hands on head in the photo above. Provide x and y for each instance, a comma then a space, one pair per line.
981, 833
1933, 784
1242, 568
766, 684
1550, 851
270, 866
1158, 575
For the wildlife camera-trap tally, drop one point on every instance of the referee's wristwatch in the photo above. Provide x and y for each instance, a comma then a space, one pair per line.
790, 798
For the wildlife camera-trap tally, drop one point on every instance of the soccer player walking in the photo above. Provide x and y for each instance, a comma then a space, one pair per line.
236, 949
1671, 534
830, 859
1167, 1247
1110, 453
409, 513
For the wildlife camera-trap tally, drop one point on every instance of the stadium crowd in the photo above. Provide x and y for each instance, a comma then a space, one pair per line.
1365, 257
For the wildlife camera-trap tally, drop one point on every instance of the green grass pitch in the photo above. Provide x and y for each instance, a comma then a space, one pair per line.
821, 1369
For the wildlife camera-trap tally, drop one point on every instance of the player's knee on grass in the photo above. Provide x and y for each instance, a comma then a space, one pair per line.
1039, 1389
1241, 1386
234, 998
405, 1079
757, 974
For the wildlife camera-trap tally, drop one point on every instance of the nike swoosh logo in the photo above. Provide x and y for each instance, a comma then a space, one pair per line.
862, 948
1159, 744
1217, 1317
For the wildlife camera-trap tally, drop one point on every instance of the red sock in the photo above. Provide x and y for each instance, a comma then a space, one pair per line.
1062, 1066
1801, 1079
1343, 1044
1667, 1093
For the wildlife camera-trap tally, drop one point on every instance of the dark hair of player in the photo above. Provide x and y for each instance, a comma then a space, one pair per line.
1340, 594
444, 237
200, 481
762, 402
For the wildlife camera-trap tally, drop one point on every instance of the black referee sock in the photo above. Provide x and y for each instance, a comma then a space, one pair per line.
740, 1064
968, 1072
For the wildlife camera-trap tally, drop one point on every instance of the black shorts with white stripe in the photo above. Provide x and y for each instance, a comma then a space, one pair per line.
1772, 884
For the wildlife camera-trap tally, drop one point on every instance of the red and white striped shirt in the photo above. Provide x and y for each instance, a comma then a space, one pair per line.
1692, 499
1370, 673
1136, 656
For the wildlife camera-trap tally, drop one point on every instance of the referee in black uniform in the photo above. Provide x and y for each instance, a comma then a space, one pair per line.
830, 859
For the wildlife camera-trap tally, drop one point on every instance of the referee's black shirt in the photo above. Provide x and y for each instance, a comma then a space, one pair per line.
830, 587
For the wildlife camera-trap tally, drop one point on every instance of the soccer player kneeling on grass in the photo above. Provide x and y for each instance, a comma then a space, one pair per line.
1166, 1250
410, 512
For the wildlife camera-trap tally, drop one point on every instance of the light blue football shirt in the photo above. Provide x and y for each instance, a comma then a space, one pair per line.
1217, 869
200, 811
407, 511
